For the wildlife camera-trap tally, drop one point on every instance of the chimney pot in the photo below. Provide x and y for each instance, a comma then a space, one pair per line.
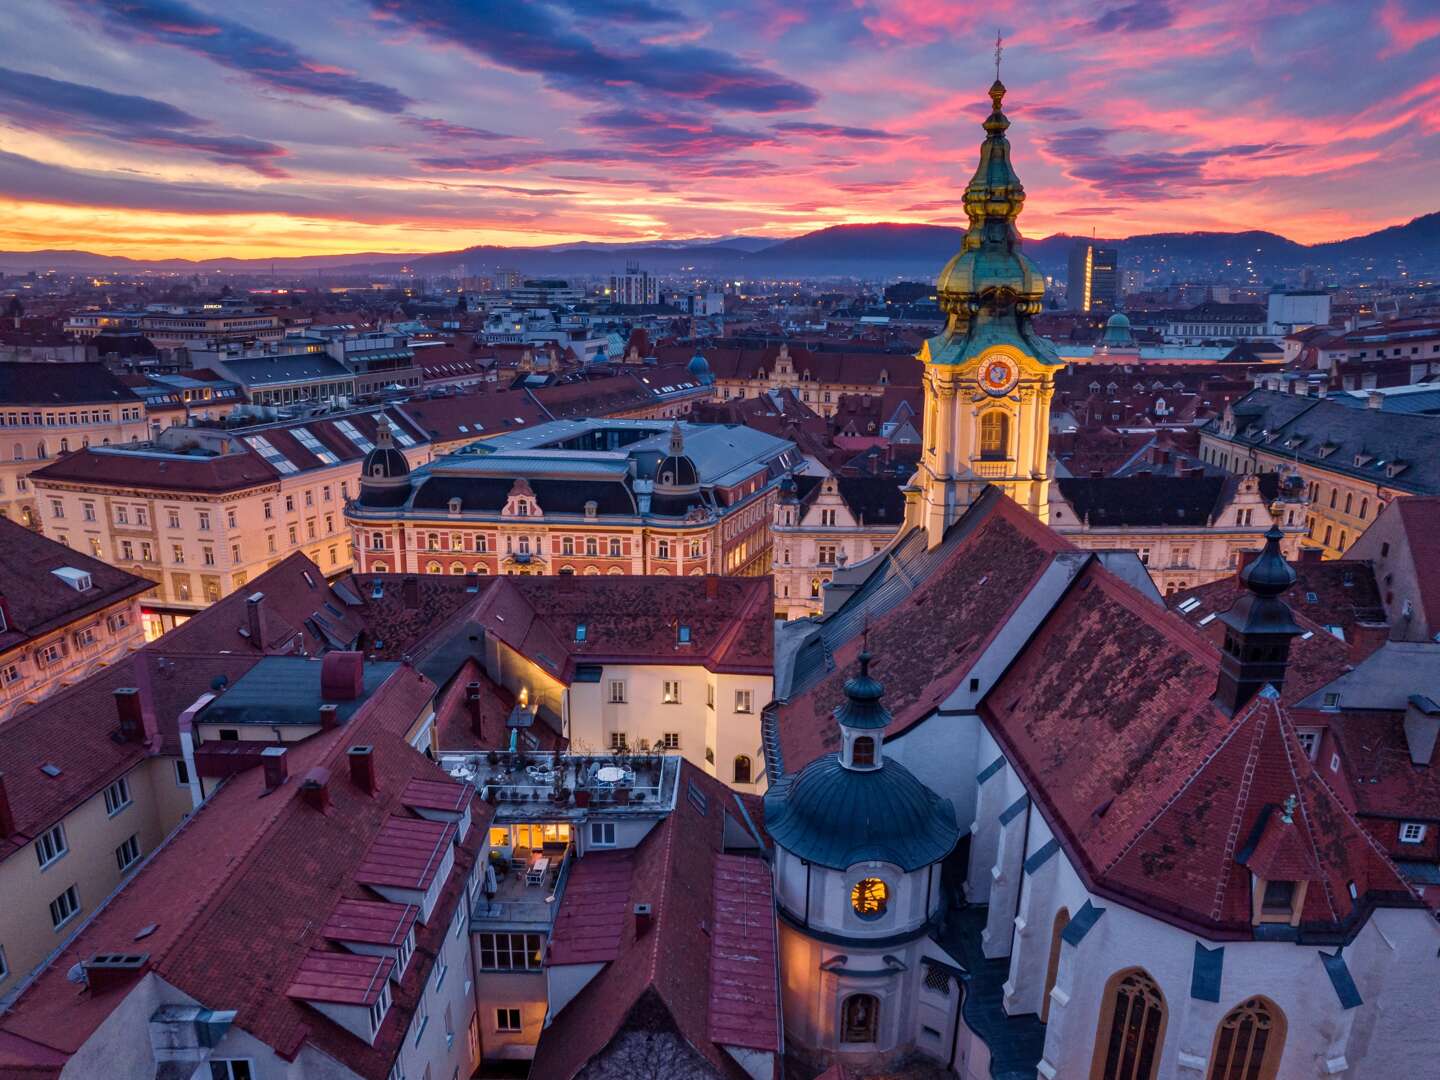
644, 918
7, 816
315, 788
362, 768
131, 710
273, 761
329, 717
254, 618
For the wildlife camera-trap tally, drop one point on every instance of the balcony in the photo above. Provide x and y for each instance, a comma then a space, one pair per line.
535, 786
523, 898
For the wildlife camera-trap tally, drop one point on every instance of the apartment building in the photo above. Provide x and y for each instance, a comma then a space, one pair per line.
825, 522
1354, 455
203, 511
579, 497
63, 615
48, 410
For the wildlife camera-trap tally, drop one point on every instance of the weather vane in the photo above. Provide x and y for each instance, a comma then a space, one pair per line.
999, 48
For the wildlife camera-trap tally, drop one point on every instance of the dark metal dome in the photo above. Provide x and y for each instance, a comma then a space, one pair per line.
384, 463
838, 817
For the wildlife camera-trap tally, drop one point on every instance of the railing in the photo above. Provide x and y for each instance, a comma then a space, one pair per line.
540, 912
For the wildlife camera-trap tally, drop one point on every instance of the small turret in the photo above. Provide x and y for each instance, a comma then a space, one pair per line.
1258, 629
862, 719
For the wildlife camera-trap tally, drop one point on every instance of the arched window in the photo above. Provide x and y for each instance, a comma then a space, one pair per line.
614, 548
377, 541
869, 898
614, 571
863, 751
64, 446
433, 567
1248, 1042
592, 571
567, 545
40, 450
1364, 508
1131, 1028
457, 568
379, 568
1349, 501
861, 1018
1062, 920
742, 769
815, 588
432, 541
592, 546
481, 568
994, 434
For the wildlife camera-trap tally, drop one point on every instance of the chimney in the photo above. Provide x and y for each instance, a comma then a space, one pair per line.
315, 788
410, 591
1311, 556
362, 768
255, 618
273, 761
131, 710
7, 816
472, 706
329, 717
1422, 725
712, 586
1375, 400
106, 971
644, 917
342, 676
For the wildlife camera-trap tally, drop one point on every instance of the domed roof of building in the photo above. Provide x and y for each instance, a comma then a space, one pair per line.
699, 366
384, 462
1117, 331
837, 817
676, 474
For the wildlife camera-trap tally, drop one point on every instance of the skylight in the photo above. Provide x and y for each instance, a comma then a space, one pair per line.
263, 447
351, 432
312, 444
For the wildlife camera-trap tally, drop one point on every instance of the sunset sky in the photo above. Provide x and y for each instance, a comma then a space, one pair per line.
197, 128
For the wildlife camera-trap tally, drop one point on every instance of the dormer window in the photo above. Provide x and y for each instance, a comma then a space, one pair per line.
580, 631
682, 635
522, 508
1278, 898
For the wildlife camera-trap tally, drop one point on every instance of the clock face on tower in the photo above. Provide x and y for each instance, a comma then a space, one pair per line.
998, 374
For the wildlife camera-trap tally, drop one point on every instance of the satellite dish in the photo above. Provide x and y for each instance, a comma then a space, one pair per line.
76, 974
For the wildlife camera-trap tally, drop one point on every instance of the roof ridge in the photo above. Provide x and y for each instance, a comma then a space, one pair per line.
658, 907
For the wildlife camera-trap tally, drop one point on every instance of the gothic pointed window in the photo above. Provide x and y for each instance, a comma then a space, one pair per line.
1248, 1042
994, 434
860, 1022
1131, 1029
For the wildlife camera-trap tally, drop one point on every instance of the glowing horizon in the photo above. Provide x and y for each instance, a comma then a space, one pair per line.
160, 129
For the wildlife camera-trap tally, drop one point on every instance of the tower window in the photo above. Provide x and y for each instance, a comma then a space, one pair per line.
869, 897
994, 434
863, 751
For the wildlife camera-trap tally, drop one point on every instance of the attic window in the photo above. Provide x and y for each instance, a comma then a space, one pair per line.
580, 631
1332, 701
1189, 605
50, 770
682, 634
1278, 898
78, 580
1412, 832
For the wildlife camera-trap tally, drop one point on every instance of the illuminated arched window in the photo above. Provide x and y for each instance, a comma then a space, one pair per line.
994, 434
1131, 1029
1248, 1042
742, 769
433, 567
869, 898
380, 568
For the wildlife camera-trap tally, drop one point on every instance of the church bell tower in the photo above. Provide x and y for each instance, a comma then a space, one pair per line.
989, 376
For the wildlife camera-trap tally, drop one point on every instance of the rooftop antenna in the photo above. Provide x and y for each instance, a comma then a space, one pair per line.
999, 48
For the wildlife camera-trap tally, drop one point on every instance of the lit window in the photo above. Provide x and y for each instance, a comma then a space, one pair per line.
744, 701
869, 897
671, 693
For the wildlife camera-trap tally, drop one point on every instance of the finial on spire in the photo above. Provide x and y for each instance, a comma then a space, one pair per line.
677, 440
999, 49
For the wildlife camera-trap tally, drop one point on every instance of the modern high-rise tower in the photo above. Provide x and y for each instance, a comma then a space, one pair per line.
1094, 280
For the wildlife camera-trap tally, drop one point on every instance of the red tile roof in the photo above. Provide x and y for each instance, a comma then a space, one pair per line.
962, 602
1420, 522
36, 601
744, 978
592, 916
445, 795
341, 978
240, 895
406, 854
1150, 787
161, 471
664, 974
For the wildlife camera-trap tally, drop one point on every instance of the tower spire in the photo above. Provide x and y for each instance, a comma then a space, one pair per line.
1258, 629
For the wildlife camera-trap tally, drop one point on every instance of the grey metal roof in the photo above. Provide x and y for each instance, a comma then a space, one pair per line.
1385, 679
283, 690
837, 817
285, 368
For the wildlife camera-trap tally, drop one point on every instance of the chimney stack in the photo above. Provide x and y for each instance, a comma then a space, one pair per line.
712, 586
1375, 400
255, 618
362, 768
273, 761
329, 717
106, 971
7, 816
644, 918
472, 706
342, 676
410, 591
131, 710
315, 788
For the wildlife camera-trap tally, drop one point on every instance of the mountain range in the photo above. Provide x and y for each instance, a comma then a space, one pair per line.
871, 251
